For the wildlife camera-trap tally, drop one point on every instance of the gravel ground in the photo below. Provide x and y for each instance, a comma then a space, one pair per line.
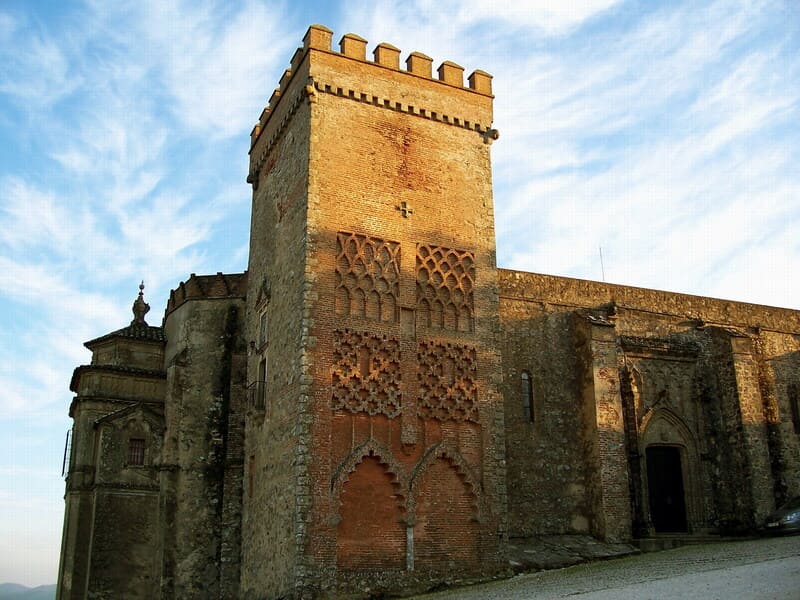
766, 568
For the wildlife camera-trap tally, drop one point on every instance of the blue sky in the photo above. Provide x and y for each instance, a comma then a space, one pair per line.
665, 132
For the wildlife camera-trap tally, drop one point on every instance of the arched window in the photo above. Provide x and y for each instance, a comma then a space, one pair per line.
526, 388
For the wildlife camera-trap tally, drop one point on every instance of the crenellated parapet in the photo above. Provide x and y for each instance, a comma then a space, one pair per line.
221, 285
387, 55
442, 94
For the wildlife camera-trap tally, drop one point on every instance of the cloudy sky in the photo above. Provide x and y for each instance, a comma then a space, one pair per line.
666, 133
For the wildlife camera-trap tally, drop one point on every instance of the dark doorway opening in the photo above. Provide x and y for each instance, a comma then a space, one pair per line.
665, 488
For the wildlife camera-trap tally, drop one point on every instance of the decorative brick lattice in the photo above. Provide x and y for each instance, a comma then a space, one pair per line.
445, 280
367, 276
447, 376
366, 374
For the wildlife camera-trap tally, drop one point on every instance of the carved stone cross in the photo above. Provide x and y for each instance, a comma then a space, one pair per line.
405, 209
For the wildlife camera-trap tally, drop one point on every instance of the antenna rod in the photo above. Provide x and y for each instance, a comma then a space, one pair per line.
602, 268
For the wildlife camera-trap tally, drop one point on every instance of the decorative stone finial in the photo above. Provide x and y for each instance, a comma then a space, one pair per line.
140, 307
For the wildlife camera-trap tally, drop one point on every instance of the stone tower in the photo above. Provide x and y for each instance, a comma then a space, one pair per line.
374, 436
110, 535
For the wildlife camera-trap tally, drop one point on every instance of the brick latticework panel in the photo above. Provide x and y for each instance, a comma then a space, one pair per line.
446, 533
367, 275
370, 534
445, 280
447, 375
366, 374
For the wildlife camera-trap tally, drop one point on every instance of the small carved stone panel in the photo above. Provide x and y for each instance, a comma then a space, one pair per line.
447, 375
366, 373
445, 280
367, 277
664, 384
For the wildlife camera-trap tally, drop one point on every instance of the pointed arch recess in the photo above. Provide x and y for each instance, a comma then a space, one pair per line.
371, 533
677, 432
444, 503
369, 448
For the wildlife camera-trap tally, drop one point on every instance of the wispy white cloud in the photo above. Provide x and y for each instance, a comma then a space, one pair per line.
38, 285
141, 168
167, 86
691, 169
550, 17
208, 61
26, 50
464, 26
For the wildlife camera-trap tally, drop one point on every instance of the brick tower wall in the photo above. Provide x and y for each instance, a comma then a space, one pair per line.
399, 459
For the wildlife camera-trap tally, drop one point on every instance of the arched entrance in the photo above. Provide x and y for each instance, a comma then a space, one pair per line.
671, 483
665, 489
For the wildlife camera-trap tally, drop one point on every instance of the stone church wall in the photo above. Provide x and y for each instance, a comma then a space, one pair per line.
712, 378
778, 355
201, 468
546, 466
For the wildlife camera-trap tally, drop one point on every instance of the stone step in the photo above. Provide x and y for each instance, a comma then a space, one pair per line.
669, 541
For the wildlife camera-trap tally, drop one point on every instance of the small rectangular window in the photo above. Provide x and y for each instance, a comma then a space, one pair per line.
135, 451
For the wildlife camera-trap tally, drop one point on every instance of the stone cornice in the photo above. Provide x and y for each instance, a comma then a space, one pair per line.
116, 370
121, 487
110, 400
659, 346
396, 106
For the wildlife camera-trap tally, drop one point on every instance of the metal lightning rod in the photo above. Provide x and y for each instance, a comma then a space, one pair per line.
602, 268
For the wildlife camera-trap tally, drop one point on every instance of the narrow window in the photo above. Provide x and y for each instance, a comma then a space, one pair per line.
135, 451
794, 405
251, 475
261, 390
527, 395
262, 330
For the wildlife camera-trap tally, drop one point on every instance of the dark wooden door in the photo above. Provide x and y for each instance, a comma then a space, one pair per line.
665, 488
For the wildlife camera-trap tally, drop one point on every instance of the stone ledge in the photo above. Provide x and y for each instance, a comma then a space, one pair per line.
539, 553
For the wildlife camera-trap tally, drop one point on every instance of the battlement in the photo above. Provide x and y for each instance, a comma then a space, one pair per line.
384, 55
221, 285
